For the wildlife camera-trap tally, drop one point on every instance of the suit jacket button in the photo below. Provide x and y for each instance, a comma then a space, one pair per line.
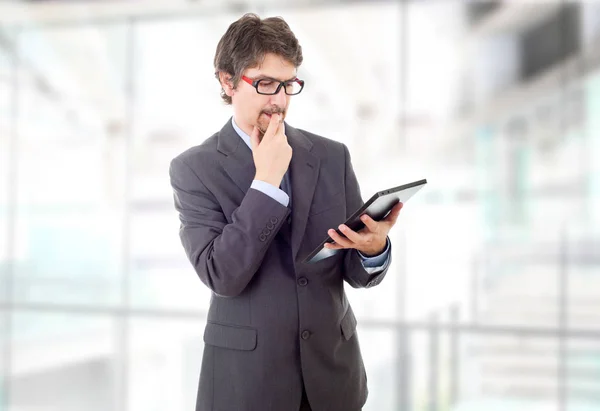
266, 231
274, 220
262, 237
305, 335
302, 281
270, 226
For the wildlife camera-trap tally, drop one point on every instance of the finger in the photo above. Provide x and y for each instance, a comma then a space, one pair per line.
352, 235
254, 139
279, 132
273, 126
344, 242
371, 224
333, 246
392, 217
281, 128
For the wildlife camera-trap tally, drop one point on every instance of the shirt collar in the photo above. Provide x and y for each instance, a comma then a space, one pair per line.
243, 135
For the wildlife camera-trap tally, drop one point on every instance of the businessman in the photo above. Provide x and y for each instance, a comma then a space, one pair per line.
253, 200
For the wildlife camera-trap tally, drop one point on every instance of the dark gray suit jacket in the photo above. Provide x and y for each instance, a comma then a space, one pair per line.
274, 323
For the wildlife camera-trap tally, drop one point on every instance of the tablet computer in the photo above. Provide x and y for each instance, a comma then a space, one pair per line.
378, 207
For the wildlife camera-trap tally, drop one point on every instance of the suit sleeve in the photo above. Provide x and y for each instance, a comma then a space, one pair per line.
224, 255
355, 273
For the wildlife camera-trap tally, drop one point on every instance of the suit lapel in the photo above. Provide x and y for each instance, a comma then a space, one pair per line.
238, 161
239, 165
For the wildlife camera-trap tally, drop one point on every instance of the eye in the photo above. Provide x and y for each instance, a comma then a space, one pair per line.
266, 82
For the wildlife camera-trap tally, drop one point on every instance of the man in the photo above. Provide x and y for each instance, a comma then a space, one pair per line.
253, 200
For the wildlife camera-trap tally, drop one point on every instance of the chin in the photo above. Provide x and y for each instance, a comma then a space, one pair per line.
262, 126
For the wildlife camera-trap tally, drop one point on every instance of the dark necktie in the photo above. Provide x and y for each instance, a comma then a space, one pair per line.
285, 185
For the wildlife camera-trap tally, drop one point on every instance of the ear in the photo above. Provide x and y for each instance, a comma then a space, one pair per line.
226, 83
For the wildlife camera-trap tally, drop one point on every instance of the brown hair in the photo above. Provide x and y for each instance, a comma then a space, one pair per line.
246, 42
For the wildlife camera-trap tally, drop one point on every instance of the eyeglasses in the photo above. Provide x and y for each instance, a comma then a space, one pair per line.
269, 86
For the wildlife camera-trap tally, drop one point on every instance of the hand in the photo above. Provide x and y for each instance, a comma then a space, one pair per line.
370, 240
273, 154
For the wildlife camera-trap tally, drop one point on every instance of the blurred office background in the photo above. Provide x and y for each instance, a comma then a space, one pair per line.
492, 302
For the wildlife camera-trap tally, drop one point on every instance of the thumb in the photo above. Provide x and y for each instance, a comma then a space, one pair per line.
254, 140
393, 215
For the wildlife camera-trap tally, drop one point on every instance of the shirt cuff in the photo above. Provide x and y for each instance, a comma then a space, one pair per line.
272, 191
377, 262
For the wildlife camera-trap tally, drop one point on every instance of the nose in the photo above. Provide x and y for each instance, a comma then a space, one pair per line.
279, 99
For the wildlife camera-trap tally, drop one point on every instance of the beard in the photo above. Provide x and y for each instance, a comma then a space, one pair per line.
263, 121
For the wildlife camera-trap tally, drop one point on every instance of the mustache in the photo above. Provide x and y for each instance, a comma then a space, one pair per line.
274, 111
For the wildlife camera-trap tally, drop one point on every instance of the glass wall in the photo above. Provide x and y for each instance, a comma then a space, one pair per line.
71, 165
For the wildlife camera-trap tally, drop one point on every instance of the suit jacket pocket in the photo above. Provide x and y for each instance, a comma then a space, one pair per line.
232, 337
348, 324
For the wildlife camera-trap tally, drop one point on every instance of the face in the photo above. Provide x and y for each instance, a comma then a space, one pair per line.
252, 109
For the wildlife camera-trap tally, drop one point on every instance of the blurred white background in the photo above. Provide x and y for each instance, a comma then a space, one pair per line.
492, 301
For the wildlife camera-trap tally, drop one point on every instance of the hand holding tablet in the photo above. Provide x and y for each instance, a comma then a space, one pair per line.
377, 207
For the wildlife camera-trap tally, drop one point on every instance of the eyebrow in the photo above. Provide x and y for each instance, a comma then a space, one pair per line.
264, 77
